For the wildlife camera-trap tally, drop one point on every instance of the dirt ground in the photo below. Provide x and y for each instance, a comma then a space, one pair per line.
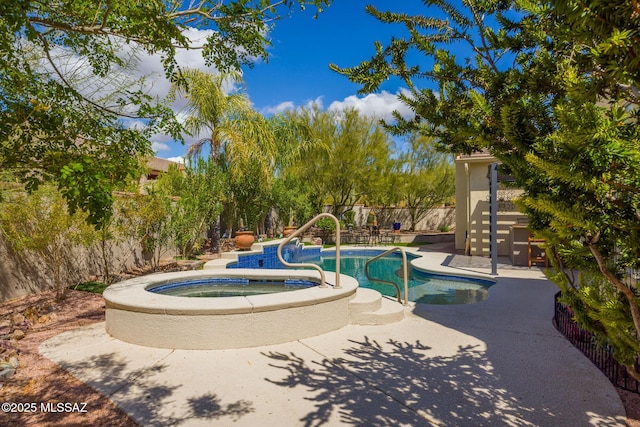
38, 380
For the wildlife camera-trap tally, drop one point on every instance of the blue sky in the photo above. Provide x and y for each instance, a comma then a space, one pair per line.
298, 73
303, 47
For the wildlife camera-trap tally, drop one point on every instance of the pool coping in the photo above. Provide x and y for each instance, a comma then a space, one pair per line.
427, 262
132, 294
213, 323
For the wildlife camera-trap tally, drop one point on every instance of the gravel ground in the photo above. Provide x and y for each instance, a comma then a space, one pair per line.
41, 382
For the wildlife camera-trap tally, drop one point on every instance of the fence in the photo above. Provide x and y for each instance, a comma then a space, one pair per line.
601, 356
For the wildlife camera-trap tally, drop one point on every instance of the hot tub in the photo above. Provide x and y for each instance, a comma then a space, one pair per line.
224, 287
136, 315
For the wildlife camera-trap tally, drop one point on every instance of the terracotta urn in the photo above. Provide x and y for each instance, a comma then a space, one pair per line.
244, 240
289, 230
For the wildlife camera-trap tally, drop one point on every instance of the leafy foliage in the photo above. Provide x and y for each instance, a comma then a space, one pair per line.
426, 178
40, 223
198, 192
292, 196
547, 88
351, 155
144, 218
609, 32
66, 90
241, 142
352, 159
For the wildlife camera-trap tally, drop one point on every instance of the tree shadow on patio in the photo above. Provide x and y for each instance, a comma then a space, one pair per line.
209, 407
143, 396
399, 383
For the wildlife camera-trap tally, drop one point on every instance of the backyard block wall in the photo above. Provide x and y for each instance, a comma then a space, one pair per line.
23, 273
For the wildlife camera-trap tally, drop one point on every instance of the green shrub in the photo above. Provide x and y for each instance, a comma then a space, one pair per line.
92, 286
326, 224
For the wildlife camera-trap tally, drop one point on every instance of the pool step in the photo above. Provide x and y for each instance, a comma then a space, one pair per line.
369, 307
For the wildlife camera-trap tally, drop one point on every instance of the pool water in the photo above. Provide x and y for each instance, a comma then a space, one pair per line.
229, 287
424, 288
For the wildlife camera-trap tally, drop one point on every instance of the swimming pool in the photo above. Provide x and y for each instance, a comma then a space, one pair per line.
424, 287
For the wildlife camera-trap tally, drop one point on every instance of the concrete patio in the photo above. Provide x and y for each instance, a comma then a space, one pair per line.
497, 362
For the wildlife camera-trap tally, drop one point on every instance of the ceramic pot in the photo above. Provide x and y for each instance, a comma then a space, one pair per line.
289, 230
244, 240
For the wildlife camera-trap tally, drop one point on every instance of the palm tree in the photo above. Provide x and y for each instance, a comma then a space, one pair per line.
232, 127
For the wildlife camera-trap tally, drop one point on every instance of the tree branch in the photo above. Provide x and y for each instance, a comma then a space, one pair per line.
107, 110
484, 52
619, 285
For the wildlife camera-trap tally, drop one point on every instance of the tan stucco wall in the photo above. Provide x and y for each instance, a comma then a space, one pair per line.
461, 205
23, 273
437, 217
472, 208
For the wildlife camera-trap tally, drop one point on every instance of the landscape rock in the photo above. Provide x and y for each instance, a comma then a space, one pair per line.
5, 333
6, 373
14, 362
18, 319
7, 347
8, 369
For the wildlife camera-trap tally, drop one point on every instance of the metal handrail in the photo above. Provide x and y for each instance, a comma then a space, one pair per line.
302, 229
404, 273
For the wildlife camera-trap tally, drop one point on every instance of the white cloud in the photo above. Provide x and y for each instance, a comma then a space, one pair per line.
141, 70
290, 105
315, 102
280, 108
150, 66
178, 159
380, 105
135, 124
159, 146
158, 86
